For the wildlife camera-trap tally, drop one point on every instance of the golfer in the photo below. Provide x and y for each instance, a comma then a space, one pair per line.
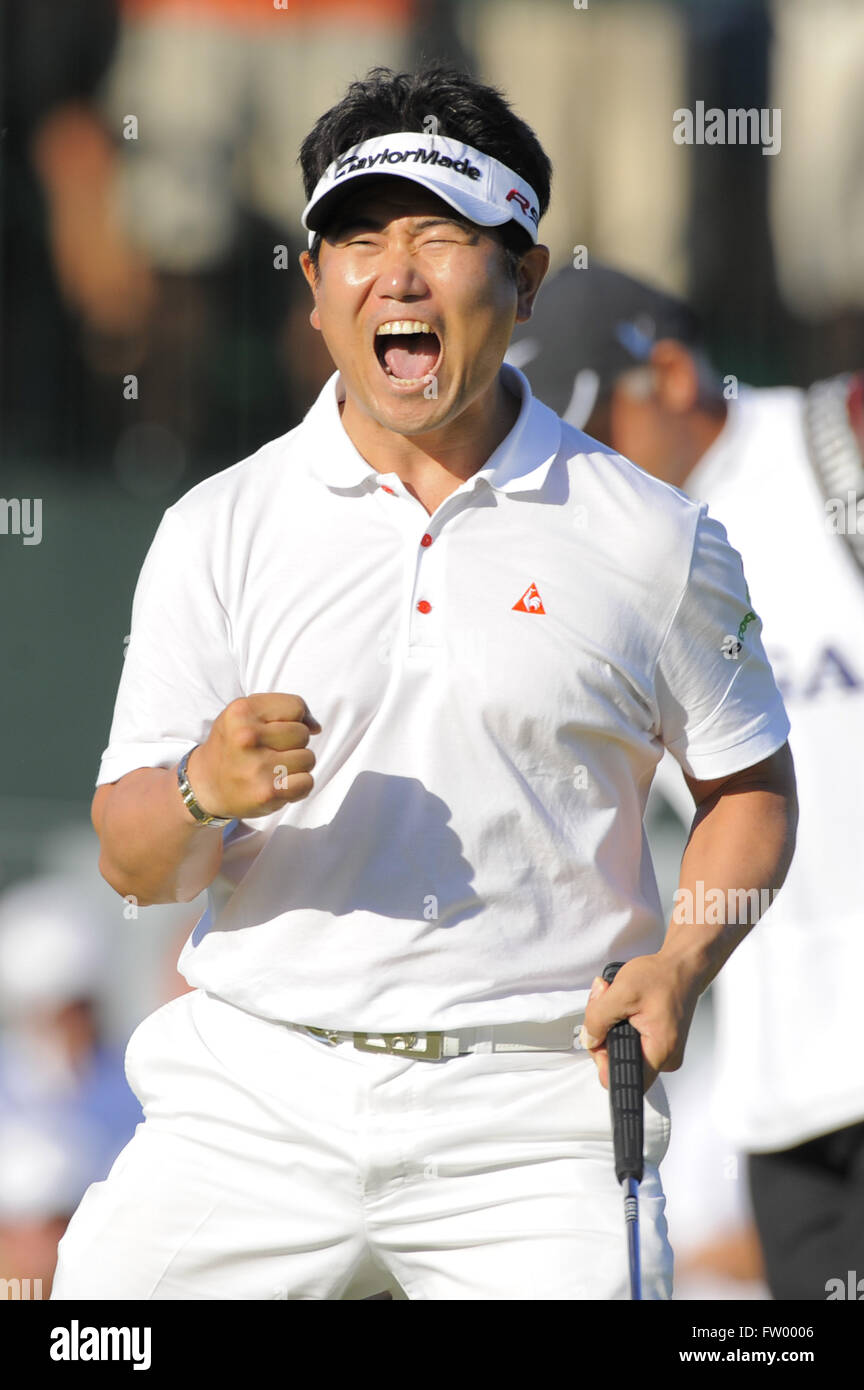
395, 693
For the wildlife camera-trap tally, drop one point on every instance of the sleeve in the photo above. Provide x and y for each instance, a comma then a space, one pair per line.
179, 672
719, 707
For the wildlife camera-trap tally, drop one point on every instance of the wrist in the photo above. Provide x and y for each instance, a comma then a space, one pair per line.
693, 955
699, 951
201, 815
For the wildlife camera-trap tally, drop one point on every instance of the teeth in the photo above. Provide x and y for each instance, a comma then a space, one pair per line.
403, 326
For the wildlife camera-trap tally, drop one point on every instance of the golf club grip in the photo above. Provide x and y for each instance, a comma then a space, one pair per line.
624, 1046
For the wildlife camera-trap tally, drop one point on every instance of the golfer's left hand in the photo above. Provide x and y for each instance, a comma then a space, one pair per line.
658, 996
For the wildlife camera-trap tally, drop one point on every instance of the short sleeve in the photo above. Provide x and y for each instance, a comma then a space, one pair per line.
179, 672
720, 709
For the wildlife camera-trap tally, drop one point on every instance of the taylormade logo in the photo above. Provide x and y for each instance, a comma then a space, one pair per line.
76, 1343
352, 163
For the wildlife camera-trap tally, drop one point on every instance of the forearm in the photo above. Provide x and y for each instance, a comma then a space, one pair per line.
152, 848
740, 847
737, 858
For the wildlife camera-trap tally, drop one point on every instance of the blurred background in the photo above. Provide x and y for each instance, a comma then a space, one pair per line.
155, 329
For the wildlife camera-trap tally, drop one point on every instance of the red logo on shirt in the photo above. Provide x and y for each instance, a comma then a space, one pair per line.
530, 602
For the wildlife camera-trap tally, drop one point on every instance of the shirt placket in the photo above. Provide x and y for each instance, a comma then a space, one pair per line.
425, 559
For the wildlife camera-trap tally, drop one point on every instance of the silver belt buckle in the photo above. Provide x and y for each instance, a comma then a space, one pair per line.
403, 1045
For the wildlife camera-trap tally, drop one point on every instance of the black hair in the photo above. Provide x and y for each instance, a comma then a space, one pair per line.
465, 109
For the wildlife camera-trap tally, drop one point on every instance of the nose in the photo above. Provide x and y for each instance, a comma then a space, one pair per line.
399, 277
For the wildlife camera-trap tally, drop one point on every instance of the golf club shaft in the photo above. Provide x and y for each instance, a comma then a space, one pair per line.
631, 1217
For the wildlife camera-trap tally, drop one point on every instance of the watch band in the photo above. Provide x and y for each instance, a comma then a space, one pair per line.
189, 796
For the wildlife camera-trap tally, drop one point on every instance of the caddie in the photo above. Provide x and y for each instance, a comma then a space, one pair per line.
395, 693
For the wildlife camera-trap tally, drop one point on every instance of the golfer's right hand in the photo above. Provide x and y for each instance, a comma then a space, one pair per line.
255, 758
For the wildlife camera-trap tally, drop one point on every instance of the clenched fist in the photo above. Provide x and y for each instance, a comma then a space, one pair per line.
255, 759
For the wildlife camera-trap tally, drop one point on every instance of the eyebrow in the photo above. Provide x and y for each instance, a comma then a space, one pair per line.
366, 222
437, 221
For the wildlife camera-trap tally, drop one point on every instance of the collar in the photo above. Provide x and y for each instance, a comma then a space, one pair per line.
519, 464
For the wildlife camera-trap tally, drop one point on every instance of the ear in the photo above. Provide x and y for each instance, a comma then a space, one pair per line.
308, 268
676, 376
529, 277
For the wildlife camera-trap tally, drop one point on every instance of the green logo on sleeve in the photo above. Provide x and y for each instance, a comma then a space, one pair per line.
749, 617
732, 647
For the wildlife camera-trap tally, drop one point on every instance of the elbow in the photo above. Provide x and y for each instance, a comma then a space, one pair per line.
136, 895
123, 887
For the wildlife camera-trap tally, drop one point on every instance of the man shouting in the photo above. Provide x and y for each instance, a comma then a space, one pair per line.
395, 693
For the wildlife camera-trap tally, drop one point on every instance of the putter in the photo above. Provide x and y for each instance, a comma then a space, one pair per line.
624, 1045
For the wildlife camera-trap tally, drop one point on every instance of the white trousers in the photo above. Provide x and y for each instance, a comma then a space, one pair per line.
272, 1165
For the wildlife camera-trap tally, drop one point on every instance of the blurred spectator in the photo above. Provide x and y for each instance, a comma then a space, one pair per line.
599, 85
148, 192
65, 262
212, 99
66, 1109
208, 101
817, 187
44, 1171
145, 191
100, 274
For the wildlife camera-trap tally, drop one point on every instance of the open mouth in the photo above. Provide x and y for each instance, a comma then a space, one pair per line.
408, 350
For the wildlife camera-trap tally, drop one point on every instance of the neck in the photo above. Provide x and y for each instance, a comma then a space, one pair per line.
459, 448
703, 427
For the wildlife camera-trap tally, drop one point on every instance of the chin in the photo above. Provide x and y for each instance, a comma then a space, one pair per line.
403, 412
411, 416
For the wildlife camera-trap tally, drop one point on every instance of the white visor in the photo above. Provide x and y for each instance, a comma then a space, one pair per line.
481, 188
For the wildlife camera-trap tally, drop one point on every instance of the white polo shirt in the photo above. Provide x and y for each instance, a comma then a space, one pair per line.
495, 684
